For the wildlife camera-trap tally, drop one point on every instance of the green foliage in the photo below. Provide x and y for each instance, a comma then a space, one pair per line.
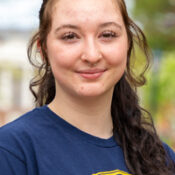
160, 89
167, 79
158, 20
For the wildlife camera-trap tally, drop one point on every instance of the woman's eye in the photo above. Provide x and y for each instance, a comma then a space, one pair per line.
69, 36
108, 35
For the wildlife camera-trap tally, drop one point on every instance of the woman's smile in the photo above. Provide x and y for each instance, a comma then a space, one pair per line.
91, 74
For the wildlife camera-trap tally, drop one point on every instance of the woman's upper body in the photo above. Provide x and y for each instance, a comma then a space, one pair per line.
86, 78
42, 143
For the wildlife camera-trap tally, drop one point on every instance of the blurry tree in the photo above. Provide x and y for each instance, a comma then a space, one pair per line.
158, 20
164, 82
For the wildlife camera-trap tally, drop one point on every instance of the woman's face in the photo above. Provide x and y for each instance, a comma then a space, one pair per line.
87, 47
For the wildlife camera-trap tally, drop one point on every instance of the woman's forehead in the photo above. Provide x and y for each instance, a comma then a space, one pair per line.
85, 9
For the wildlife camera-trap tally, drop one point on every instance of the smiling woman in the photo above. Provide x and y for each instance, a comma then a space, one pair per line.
88, 119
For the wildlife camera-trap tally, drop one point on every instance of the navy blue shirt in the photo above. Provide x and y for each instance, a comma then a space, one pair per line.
42, 143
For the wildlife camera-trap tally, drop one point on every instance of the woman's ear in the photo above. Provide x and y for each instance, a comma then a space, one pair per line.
39, 49
38, 45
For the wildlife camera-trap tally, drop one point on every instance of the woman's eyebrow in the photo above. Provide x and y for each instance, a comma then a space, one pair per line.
67, 26
106, 24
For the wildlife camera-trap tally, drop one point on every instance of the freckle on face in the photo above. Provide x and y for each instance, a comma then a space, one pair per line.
82, 87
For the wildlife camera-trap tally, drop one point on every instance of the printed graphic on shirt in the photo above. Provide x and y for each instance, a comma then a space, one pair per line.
114, 172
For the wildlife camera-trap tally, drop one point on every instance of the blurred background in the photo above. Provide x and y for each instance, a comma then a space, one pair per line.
18, 22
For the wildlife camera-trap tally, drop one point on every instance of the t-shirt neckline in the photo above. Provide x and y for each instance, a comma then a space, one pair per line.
76, 132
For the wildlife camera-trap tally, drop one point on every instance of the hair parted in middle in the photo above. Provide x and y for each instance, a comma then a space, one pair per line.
134, 33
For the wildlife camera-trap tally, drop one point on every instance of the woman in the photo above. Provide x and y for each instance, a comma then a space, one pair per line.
88, 119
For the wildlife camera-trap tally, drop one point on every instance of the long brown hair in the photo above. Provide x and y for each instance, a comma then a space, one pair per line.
132, 125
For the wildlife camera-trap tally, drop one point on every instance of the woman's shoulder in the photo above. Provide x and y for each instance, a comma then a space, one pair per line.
23, 122
27, 123
17, 135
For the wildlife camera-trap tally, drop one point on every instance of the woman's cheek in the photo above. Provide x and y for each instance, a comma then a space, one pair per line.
66, 56
116, 56
61, 59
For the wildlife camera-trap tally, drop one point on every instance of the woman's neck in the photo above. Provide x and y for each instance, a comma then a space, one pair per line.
91, 115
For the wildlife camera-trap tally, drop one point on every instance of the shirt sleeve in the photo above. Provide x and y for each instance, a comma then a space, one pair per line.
170, 152
10, 164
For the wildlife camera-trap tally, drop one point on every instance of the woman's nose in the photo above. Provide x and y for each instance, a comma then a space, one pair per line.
91, 52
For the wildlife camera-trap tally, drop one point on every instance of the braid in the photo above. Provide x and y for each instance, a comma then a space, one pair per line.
143, 151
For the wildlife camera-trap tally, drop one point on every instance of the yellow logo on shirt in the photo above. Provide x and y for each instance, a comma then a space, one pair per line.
114, 172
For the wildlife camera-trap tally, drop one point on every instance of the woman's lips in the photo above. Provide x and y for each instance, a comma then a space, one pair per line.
91, 74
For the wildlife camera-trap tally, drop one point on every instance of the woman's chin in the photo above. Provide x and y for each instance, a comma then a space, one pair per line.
91, 92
